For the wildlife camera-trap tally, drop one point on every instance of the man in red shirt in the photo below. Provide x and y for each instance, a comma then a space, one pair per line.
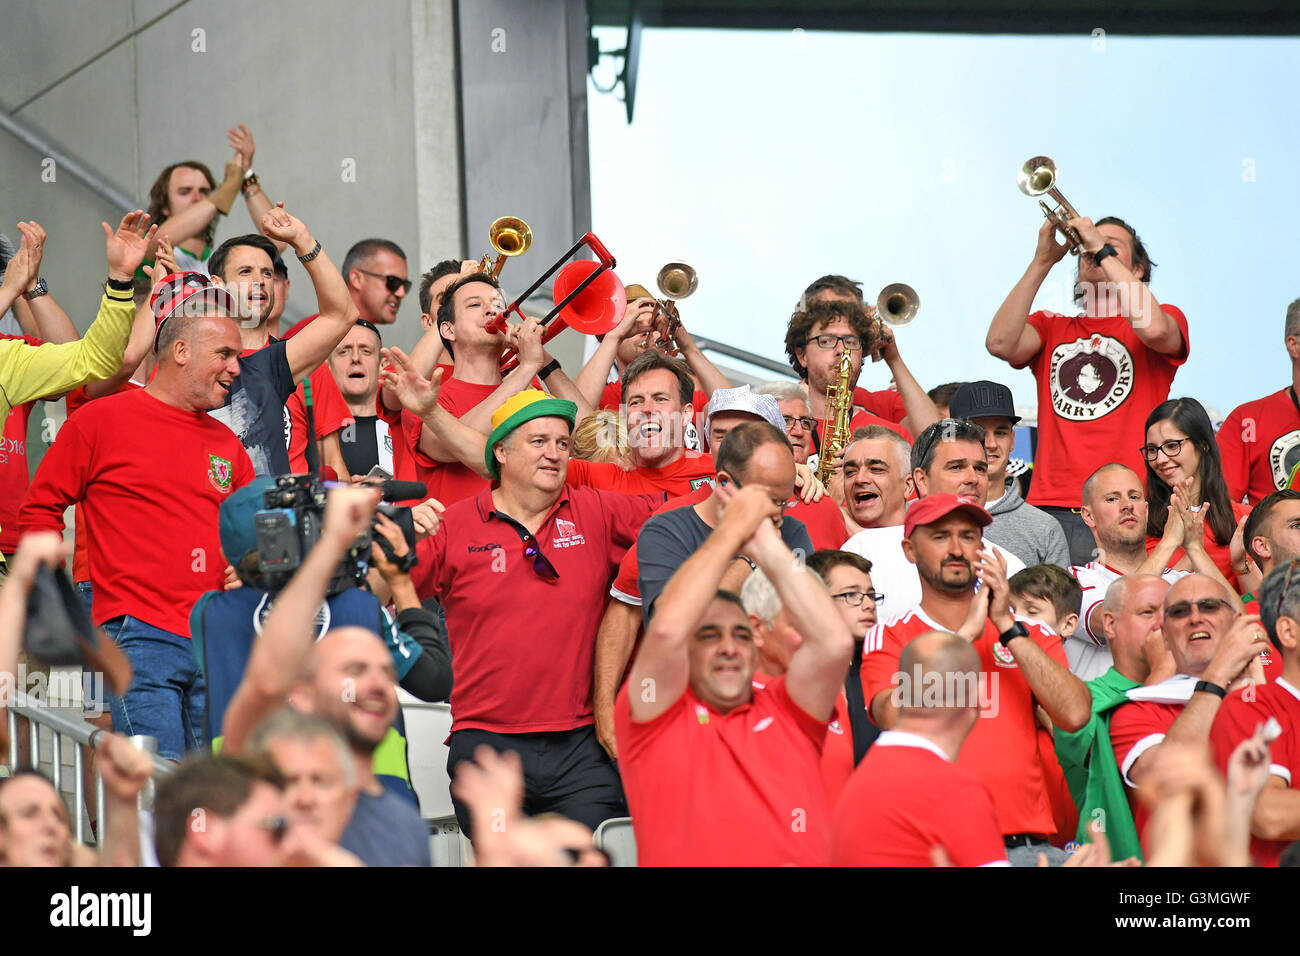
1216, 651
1099, 373
719, 773
475, 388
910, 795
831, 319
1259, 442
1023, 665
522, 569
1276, 820
151, 468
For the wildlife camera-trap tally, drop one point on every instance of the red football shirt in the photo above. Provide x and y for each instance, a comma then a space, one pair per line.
524, 647
824, 520
1237, 719
837, 753
691, 472
151, 479
329, 411
1259, 443
886, 404
1097, 382
74, 400
736, 789
1002, 750
905, 798
449, 482
1135, 728
15, 477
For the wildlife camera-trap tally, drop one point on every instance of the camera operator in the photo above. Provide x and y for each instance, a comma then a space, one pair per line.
346, 677
420, 658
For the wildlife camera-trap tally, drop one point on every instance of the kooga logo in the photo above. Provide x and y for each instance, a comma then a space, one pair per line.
102, 909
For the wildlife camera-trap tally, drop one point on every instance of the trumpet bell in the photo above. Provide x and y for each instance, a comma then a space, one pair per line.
898, 304
598, 308
510, 236
1037, 176
677, 280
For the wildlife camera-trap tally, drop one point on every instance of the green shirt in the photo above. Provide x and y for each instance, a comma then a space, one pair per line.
1088, 761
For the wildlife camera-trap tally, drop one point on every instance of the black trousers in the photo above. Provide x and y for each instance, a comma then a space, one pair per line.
1083, 546
565, 772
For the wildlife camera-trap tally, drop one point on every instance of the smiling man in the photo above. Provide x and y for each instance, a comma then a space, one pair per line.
150, 468
272, 369
1216, 650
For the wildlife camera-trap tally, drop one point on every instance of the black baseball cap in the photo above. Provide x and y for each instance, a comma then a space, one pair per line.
983, 400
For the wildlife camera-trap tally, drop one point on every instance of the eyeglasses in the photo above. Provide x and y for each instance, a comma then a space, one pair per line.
276, 827
1183, 609
541, 566
852, 343
855, 598
808, 423
392, 282
1171, 448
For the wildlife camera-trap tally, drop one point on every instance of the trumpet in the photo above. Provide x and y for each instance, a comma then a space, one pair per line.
1038, 176
510, 237
897, 305
676, 280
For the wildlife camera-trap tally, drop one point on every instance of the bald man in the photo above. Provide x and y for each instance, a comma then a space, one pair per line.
1216, 649
1131, 622
908, 795
1115, 508
347, 678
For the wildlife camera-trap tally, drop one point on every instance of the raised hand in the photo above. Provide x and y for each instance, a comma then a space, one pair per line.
278, 224
34, 237
241, 141
126, 247
348, 512
427, 516
1049, 251
418, 394
126, 768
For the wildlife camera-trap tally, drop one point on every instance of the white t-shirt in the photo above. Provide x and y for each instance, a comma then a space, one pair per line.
893, 575
1087, 652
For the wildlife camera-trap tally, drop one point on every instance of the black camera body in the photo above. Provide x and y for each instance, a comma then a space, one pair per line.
290, 525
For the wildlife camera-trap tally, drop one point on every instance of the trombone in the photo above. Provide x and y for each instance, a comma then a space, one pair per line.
510, 237
1038, 176
897, 305
676, 280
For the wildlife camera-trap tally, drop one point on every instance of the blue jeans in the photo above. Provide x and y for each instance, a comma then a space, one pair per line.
87, 594
167, 696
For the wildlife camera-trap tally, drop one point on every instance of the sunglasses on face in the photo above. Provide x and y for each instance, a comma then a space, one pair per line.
393, 283
1183, 609
541, 566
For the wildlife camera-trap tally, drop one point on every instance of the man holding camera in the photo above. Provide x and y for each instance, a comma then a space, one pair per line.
235, 617
150, 468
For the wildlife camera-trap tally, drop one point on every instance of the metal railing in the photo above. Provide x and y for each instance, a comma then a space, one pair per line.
81, 736
752, 358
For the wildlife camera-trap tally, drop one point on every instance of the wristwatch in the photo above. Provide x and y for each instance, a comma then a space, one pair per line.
250, 181
1102, 253
40, 289
1017, 629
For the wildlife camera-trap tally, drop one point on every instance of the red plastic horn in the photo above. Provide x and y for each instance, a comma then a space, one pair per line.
596, 309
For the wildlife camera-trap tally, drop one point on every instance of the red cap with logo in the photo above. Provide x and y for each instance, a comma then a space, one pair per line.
933, 507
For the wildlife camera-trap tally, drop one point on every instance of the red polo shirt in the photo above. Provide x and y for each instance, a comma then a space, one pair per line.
1002, 750
736, 789
905, 798
524, 648
688, 473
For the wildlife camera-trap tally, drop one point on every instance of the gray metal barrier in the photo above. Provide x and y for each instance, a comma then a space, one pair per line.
65, 730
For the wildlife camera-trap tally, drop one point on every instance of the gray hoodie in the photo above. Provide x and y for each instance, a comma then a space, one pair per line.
1031, 535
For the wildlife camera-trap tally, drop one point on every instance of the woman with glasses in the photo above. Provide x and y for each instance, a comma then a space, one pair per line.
1180, 452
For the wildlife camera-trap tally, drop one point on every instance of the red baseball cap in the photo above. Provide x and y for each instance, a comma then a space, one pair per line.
931, 508
193, 288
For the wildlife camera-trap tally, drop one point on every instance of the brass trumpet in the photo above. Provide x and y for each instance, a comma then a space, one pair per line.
896, 305
676, 280
1038, 176
510, 237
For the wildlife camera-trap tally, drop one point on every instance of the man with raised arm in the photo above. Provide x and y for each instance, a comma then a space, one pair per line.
718, 772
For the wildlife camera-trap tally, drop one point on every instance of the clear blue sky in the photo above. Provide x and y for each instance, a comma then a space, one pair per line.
767, 159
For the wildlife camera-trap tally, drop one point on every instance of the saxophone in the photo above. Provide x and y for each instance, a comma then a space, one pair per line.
835, 427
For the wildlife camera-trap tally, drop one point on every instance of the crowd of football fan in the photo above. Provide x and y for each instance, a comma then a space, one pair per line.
631, 585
